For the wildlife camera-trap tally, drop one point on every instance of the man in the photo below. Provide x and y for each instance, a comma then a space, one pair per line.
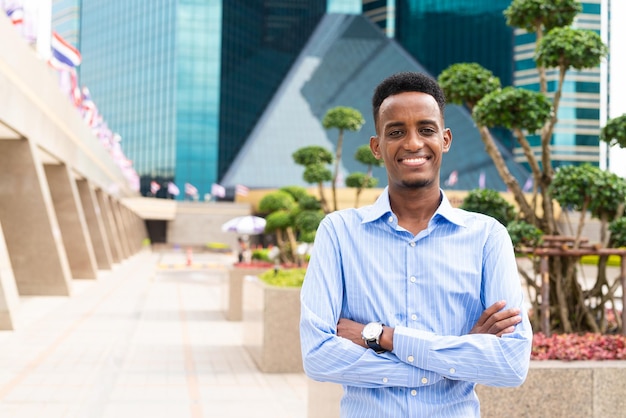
409, 303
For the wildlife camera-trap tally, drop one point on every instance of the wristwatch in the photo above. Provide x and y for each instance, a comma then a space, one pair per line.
371, 335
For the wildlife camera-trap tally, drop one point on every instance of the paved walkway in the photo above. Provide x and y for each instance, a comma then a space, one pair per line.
147, 339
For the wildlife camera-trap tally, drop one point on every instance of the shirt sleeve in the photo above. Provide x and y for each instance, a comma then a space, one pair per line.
328, 357
479, 358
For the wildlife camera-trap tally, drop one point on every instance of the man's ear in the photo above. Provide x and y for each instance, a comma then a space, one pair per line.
375, 147
447, 140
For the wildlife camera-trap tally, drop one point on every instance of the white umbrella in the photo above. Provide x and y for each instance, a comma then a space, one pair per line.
249, 225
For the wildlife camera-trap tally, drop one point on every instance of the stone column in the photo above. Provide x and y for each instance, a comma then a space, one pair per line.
71, 218
9, 298
31, 230
121, 228
109, 223
95, 224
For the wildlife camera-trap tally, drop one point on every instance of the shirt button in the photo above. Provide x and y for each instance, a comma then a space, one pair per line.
410, 359
414, 317
412, 244
385, 380
414, 392
424, 380
390, 219
452, 370
413, 279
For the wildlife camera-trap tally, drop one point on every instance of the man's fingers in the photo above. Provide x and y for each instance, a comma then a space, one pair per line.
489, 312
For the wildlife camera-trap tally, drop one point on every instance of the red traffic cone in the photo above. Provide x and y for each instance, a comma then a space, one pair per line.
189, 257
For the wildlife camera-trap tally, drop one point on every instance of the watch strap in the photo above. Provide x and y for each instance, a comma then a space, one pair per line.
374, 345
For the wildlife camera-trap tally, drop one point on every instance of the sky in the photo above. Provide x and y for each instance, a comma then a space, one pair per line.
617, 88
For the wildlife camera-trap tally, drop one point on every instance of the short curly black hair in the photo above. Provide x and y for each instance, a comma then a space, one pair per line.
405, 82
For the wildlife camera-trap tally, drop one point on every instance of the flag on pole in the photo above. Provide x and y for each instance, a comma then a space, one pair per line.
154, 187
63, 53
453, 178
241, 190
191, 190
173, 189
15, 13
482, 181
218, 190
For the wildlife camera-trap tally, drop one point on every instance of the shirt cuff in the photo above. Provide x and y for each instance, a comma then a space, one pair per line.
413, 348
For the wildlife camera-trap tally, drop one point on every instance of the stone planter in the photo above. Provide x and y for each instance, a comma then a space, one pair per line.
271, 326
232, 292
555, 389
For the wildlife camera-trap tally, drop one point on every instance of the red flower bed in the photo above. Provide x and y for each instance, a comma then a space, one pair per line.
572, 347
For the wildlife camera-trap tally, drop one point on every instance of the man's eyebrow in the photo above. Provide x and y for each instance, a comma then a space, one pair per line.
394, 124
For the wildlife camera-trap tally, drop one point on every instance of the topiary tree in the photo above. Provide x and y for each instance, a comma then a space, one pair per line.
360, 180
314, 159
560, 47
278, 207
293, 215
614, 132
491, 203
342, 118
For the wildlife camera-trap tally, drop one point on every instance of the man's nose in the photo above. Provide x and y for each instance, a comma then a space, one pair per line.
413, 141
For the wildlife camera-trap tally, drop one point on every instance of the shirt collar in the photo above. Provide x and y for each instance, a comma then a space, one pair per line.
382, 207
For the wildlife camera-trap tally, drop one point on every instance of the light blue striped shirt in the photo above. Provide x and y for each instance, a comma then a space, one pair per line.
432, 288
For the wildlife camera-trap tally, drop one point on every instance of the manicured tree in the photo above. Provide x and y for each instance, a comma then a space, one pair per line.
491, 203
278, 207
602, 194
314, 159
343, 118
359, 180
557, 46
614, 132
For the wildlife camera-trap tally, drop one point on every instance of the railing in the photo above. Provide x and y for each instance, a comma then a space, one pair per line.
563, 246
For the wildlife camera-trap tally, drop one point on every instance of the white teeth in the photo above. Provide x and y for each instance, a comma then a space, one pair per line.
413, 160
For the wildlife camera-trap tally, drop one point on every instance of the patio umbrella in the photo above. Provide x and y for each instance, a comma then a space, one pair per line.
248, 225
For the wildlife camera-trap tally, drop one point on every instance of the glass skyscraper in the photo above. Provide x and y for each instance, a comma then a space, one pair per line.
576, 135
184, 81
188, 83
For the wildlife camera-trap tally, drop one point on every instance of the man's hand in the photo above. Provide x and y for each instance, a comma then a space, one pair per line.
351, 330
496, 321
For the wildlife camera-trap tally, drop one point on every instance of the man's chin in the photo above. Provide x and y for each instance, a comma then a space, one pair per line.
416, 183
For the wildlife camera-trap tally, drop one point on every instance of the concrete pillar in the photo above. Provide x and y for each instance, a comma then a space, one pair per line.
121, 229
9, 297
109, 224
134, 242
95, 224
71, 218
31, 230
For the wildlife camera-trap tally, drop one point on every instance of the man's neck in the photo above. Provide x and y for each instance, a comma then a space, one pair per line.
414, 207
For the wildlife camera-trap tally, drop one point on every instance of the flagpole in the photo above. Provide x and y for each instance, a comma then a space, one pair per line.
44, 28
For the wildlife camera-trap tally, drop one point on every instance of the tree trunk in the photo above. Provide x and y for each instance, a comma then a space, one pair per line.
336, 173
507, 177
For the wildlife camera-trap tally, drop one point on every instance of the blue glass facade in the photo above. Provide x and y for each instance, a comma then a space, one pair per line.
184, 81
189, 84
260, 42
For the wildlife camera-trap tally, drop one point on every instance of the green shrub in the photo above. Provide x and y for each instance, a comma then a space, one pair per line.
283, 277
489, 202
524, 234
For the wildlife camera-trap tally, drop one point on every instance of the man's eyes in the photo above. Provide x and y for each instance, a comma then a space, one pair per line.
422, 131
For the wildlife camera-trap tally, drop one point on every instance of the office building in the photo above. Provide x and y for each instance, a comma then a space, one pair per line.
190, 85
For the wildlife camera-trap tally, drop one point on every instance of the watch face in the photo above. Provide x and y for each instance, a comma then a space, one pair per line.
372, 331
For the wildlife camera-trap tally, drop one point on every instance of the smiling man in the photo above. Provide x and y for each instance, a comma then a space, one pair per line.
409, 303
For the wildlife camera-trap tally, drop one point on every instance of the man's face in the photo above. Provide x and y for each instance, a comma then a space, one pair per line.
411, 139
